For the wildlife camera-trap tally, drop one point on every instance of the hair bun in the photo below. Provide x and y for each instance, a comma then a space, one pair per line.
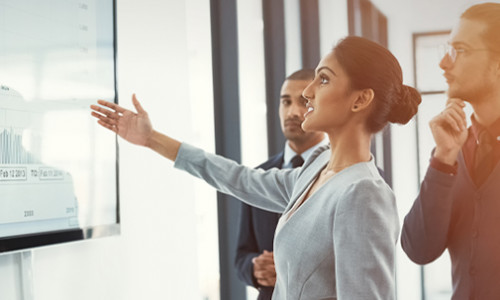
406, 106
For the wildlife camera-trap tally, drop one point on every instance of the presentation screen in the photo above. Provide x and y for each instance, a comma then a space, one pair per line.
58, 169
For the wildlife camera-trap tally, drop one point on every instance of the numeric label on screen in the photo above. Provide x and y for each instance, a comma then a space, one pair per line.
13, 173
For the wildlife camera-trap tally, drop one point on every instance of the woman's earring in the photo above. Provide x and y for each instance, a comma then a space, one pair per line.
355, 107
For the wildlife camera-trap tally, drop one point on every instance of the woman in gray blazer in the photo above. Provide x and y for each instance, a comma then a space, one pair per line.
337, 236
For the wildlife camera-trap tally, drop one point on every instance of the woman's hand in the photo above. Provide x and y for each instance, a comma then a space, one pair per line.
133, 127
449, 130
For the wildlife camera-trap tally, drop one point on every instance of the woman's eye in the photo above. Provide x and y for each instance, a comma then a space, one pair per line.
323, 80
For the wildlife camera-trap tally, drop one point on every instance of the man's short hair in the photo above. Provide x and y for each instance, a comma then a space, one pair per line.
488, 13
304, 74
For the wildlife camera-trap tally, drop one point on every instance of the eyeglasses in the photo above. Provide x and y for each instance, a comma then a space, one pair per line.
453, 52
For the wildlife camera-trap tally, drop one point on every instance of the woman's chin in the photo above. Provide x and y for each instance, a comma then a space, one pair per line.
306, 125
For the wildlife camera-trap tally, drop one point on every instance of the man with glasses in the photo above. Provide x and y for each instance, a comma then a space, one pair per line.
458, 207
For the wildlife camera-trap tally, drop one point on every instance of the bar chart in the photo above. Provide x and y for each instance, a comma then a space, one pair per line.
11, 148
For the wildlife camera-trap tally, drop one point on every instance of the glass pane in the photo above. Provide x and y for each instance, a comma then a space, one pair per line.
252, 83
292, 36
253, 110
201, 99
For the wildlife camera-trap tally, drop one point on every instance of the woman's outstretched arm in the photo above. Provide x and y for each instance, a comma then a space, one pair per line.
134, 127
268, 190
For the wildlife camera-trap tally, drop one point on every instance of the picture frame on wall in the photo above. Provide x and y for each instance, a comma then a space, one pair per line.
428, 50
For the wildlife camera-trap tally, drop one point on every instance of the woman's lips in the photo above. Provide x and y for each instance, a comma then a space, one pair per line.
310, 109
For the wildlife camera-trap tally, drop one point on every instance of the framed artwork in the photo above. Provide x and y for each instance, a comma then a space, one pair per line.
428, 50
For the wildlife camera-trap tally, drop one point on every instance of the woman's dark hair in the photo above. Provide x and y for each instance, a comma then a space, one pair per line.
371, 66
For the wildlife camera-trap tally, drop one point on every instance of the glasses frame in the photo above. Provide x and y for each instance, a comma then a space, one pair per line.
452, 52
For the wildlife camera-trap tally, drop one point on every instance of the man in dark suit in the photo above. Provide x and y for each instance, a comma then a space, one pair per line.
254, 257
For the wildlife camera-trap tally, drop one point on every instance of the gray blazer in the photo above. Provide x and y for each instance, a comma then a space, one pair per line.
340, 244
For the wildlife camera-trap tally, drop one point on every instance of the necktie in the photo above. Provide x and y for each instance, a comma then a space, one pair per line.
483, 160
297, 161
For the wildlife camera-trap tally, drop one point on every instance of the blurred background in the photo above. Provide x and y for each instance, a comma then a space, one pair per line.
209, 73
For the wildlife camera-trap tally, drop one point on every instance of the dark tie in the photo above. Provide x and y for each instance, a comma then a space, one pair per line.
297, 161
483, 160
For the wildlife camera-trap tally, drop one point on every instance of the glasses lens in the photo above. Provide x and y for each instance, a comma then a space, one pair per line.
452, 52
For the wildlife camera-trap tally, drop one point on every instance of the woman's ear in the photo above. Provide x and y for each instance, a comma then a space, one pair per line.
365, 97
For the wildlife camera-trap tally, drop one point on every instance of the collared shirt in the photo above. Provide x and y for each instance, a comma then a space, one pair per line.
470, 146
288, 153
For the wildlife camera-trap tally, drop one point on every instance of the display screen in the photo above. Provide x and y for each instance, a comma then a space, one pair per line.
58, 170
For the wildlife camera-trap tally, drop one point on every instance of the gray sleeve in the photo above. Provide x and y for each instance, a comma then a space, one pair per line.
270, 190
366, 229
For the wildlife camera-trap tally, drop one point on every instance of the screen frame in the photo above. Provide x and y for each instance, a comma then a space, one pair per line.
25, 242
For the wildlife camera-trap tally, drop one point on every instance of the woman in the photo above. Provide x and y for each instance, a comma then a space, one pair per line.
337, 236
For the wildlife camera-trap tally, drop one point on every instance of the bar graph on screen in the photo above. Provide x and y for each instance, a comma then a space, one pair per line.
58, 174
34, 195
11, 148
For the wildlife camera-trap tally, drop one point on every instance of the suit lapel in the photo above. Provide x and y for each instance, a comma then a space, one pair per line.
307, 175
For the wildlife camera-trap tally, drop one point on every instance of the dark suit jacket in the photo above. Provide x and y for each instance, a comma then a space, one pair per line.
256, 234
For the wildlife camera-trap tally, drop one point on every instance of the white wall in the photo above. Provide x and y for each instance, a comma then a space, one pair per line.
333, 24
293, 44
155, 257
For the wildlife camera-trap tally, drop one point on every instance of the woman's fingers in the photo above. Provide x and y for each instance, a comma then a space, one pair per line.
110, 114
106, 125
111, 105
137, 105
105, 122
104, 119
